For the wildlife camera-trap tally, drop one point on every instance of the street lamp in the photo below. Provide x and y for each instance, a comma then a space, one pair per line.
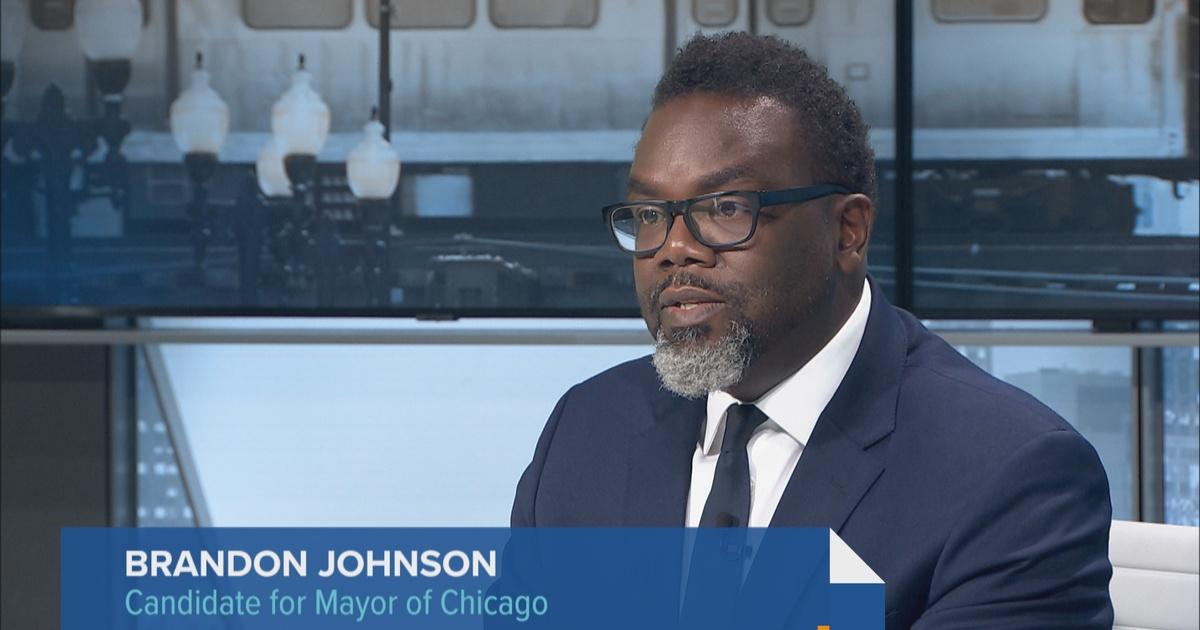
56, 149
373, 169
299, 127
373, 166
51, 144
200, 124
300, 122
109, 33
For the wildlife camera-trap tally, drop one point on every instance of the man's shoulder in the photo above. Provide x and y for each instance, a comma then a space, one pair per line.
633, 378
943, 386
962, 436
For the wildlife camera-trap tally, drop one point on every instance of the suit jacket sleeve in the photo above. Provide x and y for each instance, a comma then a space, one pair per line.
524, 503
1031, 547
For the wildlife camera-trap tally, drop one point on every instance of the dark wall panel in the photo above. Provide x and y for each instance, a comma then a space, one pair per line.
53, 449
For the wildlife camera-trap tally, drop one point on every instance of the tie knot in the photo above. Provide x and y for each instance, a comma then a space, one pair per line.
740, 423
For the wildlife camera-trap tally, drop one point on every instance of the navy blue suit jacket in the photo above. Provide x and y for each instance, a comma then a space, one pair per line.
977, 505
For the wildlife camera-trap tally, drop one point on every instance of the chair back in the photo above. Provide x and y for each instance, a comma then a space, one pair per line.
1156, 576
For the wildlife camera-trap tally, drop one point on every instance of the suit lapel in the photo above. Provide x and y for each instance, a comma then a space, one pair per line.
831, 477
660, 463
836, 468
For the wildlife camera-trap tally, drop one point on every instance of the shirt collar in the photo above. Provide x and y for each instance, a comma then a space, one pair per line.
798, 400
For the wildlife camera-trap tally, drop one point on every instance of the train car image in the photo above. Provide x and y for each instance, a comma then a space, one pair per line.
1053, 152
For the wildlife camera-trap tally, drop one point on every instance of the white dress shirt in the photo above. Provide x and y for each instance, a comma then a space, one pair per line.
792, 407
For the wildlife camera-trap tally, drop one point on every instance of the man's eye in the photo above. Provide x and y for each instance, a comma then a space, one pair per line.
649, 216
729, 208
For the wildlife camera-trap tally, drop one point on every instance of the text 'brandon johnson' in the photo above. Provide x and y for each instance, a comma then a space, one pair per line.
350, 563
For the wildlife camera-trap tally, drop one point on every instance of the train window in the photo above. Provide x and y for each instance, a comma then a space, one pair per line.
789, 12
544, 13
425, 14
297, 14
1118, 11
989, 10
52, 15
59, 15
714, 12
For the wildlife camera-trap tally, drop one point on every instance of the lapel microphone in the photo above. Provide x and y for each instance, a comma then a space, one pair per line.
725, 519
733, 543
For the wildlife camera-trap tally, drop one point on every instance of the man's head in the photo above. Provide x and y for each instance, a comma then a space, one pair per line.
738, 112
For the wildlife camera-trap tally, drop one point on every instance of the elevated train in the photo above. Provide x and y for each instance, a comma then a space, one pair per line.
1055, 141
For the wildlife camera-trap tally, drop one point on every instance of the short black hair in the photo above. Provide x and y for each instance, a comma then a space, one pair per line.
749, 66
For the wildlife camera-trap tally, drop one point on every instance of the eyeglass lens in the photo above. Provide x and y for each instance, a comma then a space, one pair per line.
716, 221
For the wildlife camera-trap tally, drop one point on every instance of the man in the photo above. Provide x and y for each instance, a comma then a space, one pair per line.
784, 390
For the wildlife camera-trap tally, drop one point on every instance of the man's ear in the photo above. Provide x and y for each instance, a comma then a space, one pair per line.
854, 215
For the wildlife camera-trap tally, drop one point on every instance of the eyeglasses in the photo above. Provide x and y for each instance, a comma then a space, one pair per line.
717, 220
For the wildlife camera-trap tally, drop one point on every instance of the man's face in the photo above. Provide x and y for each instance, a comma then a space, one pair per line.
763, 293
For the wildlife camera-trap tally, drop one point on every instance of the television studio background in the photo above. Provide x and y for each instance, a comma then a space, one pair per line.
223, 307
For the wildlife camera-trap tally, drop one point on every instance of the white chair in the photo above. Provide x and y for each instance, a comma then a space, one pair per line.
1156, 576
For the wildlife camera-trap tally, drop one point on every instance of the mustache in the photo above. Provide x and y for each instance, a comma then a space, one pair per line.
729, 294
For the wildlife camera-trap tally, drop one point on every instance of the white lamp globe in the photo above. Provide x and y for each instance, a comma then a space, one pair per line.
272, 178
300, 118
373, 166
199, 117
14, 22
108, 29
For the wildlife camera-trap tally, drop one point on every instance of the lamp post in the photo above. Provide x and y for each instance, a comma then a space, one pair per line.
55, 149
109, 33
200, 124
300, 121
385, 67
373, 169
286, 241
56, 145
55, 138
300, 125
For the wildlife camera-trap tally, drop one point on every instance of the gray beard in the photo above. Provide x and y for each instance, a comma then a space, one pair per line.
691, 368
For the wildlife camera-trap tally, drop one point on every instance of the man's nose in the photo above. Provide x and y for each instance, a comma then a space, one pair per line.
682, 248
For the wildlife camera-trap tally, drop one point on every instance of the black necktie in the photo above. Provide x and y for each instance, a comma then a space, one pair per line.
728, 503
719, 556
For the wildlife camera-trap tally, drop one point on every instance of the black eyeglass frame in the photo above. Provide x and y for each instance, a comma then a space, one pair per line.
764, 199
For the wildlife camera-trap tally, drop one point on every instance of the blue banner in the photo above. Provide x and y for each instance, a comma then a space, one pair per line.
461, 578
